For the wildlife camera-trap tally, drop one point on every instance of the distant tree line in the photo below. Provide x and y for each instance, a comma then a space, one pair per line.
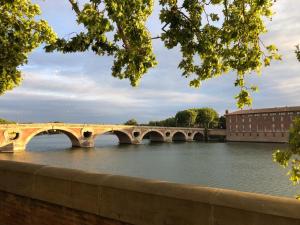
196, 117
4, 121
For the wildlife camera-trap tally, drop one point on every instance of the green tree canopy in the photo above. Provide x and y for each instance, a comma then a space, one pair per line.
185, 118
4, 121
132, 122
214, 37
298, 52
169, 122
222, 122
207, 117
291, 157
227, 39
20, 33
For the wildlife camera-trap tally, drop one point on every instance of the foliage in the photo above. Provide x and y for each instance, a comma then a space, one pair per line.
207, 118
203, 117
291, 157
222, 122
211, 44
131, 45
298, 52
20, 33
132, 122
4, 121
185, 118
169, 122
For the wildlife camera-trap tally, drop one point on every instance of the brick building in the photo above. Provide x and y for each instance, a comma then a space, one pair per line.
260, 125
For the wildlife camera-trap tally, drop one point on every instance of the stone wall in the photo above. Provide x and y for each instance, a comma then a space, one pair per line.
33, 194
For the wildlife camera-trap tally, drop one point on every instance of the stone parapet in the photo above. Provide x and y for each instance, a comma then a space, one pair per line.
128, 200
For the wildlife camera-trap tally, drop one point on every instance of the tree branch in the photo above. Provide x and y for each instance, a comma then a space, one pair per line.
75, 6
157, 37
123, 37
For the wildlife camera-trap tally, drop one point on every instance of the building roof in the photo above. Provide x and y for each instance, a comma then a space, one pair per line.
267, 110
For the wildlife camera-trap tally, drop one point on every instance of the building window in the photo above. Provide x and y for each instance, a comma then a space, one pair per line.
273, 119
257, 134
250, 134
281, 118
282, 134
236, 134
249, 119
273, 134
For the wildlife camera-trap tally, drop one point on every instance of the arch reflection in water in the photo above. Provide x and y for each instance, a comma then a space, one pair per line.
112, 138
179, 137
46, 142
152, 136
198, 137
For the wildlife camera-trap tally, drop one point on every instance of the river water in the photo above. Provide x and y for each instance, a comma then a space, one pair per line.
239, 166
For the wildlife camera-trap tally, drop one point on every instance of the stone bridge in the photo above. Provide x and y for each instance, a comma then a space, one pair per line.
15, 137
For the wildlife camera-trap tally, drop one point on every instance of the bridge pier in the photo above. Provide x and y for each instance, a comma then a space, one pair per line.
84, 143
13, 147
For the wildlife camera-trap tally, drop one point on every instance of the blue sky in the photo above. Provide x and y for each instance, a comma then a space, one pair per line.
79, 87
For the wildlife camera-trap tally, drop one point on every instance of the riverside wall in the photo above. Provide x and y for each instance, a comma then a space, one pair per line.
32, 194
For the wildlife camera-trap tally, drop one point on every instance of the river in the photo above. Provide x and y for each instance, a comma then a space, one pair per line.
239, 166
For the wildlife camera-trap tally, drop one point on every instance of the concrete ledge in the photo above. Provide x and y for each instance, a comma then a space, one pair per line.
144, 202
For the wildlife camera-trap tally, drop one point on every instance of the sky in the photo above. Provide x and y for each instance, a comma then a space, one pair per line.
79, 88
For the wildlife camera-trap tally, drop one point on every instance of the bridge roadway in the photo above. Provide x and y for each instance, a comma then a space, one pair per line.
15, 137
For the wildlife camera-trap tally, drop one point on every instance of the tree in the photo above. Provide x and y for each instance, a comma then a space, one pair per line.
132, 122
291, 157
222, 122
207, 117
185, 118
169, 122
20, 33
225, 40
298, 52
4, 121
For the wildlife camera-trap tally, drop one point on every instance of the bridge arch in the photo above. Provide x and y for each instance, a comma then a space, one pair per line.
198, 136
69, 133
123, 136
179, 136
153, 135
